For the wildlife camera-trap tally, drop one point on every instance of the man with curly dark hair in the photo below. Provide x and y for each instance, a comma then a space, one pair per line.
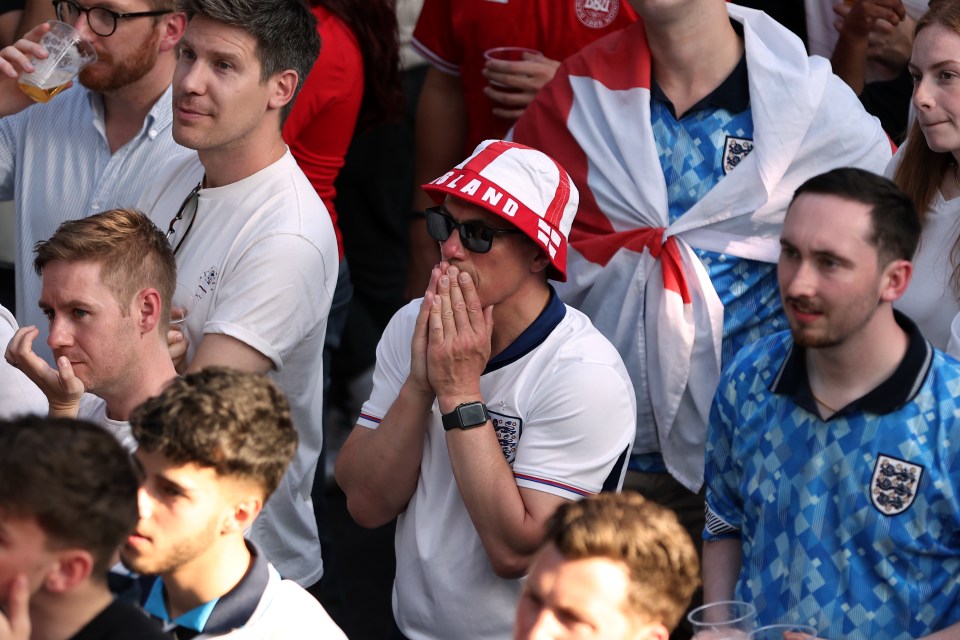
213, 447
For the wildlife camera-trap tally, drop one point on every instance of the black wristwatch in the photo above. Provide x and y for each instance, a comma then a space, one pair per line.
466, 416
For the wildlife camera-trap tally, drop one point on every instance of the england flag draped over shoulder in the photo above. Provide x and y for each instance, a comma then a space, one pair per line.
635, 274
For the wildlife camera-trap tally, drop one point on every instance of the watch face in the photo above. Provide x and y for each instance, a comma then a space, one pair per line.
473, 414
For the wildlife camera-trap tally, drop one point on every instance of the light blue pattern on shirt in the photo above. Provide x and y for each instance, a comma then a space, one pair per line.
56, 164
691, 156
816, 548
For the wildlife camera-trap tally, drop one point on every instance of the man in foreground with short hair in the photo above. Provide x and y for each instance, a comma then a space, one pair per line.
833, 462
107, 285
213, 448
612, 567
68, 499
492, 403
256, 251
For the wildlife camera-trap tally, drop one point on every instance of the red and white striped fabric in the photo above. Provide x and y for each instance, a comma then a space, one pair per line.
634, 273
521, 185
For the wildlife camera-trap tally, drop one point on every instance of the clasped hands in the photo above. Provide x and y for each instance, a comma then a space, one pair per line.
861, 17
452, 338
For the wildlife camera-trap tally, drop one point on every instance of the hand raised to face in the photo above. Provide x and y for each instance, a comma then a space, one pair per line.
15, 623
61, 386
459, 334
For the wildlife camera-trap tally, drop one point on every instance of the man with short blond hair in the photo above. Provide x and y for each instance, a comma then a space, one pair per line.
107, 285
612, 567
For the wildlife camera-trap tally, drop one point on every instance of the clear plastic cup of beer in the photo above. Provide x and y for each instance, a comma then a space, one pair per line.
67, 54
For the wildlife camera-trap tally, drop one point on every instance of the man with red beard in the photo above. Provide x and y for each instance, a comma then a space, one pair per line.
94, 147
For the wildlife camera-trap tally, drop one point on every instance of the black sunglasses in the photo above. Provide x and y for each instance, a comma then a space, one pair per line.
474, 236
188, 209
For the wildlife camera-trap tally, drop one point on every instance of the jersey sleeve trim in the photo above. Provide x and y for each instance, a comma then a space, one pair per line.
717, 528
434, 59
555, 487
368, 420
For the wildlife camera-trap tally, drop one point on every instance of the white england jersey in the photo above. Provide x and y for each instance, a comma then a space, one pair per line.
563, 406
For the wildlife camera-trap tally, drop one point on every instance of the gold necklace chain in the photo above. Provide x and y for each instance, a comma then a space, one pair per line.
825, 405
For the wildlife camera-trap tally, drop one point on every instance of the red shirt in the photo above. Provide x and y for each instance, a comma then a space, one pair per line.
324, 115
453, 34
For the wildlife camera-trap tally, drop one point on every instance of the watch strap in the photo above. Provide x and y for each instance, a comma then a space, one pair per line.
466, 416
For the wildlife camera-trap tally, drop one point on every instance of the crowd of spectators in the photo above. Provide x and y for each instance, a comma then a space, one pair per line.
611, 308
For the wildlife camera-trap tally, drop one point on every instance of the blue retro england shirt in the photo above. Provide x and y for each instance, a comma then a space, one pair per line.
850, 524
696, 150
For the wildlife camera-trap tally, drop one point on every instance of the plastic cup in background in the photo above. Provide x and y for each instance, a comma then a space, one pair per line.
68, 53
509, 54
728, 619
183, 300
784, 632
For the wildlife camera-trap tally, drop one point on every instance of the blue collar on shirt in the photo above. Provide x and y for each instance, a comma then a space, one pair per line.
733, 94
533, 335
230, 611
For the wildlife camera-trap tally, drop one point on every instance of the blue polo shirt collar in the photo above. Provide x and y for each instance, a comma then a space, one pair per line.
230, 611
732, 95
533, 336
894, 392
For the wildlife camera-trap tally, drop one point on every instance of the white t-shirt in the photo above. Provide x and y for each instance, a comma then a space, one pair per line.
18, 394
94, 409
564, 414
261, 261
931, 300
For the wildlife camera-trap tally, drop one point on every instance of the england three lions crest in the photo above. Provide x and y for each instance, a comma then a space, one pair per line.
508, 430
894, 484
734, 151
